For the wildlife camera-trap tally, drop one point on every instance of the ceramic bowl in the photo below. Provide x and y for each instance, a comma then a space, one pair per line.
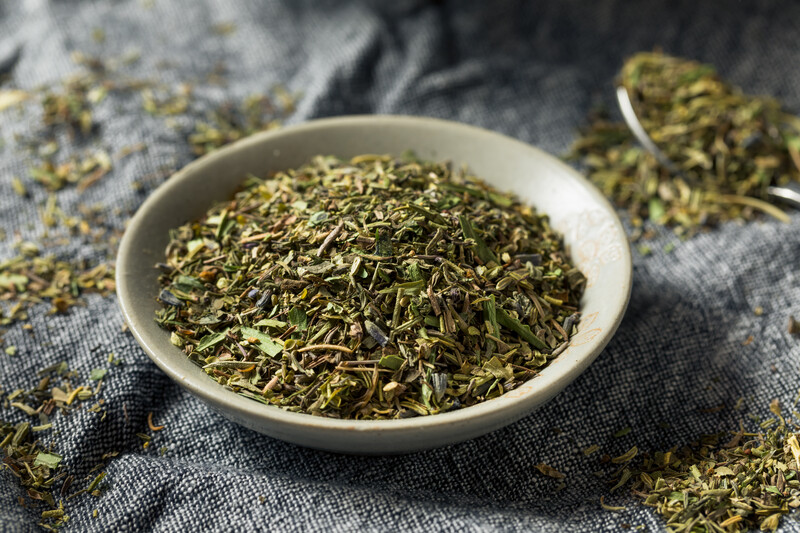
592, 233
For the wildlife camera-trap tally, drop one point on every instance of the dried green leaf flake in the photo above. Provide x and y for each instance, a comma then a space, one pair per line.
98, 373
50, 460
496, 368
210, 340
391, 361
265, 343
297, 317
523, 330
482, 250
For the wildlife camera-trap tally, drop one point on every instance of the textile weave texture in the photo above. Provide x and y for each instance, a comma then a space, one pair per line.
531, 70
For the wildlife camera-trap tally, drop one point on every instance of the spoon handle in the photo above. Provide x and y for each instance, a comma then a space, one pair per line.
629, 114
788, 194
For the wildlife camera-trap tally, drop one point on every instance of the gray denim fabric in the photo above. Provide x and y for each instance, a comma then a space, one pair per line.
527, 69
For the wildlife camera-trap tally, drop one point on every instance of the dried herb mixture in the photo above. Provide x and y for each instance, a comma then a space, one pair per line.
373, 288
729, 147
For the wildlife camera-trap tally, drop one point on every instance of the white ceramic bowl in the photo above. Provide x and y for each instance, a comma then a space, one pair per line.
592, 232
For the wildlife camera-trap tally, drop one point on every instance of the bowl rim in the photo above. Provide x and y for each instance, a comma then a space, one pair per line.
230, 402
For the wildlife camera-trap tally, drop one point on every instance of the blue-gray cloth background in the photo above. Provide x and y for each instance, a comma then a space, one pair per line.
530, 70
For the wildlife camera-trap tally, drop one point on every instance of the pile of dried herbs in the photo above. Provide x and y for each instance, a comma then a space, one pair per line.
729, 147
372, 288
728, 482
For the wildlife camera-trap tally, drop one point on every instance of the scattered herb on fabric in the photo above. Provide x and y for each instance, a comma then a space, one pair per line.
66, 149
38, 467
69, 104
81, 171
29, 279
728, 482
228, 123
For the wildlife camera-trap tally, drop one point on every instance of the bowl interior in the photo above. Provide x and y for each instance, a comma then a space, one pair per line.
592, 233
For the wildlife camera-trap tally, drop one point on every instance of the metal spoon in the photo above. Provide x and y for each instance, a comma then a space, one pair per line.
789, 194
